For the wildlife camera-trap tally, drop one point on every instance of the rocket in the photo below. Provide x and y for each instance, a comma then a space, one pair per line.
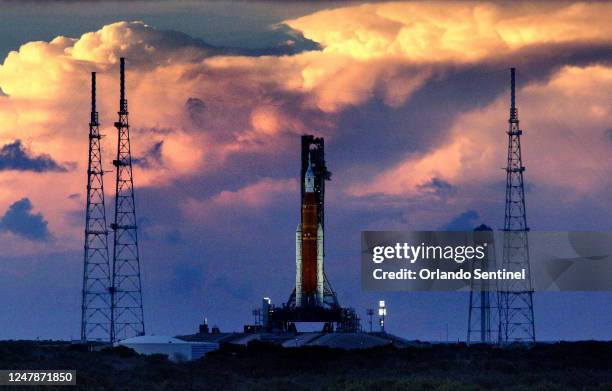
309, 249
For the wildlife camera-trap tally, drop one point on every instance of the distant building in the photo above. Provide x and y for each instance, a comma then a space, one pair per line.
176, 349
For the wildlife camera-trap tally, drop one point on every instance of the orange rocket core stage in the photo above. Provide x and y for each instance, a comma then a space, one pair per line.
309, 247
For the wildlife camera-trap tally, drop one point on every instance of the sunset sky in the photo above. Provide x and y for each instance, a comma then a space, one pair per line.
412, 99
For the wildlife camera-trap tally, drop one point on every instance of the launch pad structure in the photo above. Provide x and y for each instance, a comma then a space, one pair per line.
313, 299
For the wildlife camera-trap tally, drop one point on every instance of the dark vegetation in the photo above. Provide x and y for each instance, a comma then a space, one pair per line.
561, 366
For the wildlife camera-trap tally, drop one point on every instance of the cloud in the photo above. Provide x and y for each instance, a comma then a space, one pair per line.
414, 173
254, 198
466, 221
243, 211
258, 194
409, 97
476, 144
195, 107
390, 49
20, 220
438, 187
151, 157
433, 32
142, 44
14, 156
212, 122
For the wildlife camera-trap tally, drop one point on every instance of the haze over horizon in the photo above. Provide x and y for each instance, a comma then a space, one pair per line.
412, 99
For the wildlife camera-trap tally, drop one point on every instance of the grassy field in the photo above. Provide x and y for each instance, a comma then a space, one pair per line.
562, 366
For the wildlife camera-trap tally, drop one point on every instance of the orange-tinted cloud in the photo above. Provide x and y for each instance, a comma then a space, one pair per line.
569, 116
442, 32
198, 109
253, 199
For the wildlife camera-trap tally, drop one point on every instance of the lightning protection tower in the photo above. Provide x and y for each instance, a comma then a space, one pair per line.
96, 301
126, 291
483, 301
516, 322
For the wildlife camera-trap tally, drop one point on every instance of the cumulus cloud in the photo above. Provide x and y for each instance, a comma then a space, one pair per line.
144, 45
200, 112
20, 220
565, 155
195, 107
257, 194
465, 221
414, 136
152, 157
14, 156
246, 209
438, 187
253, 197
430, 32
390, 49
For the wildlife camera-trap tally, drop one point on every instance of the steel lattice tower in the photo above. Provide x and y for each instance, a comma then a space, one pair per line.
96, 301
516, 322
126, 292
482, 327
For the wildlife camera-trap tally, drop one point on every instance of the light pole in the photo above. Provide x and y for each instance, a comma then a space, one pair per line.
382, 313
